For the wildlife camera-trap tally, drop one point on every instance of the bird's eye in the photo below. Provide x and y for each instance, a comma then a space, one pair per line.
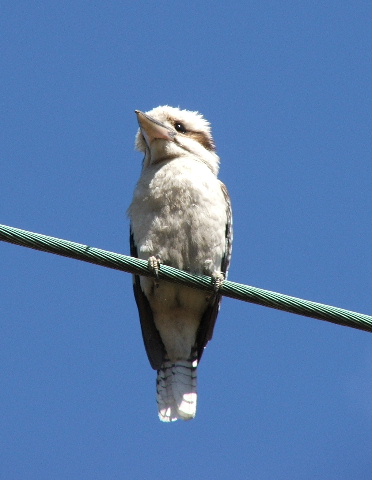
180, 127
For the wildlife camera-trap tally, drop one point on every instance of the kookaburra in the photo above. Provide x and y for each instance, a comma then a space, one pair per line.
180, 216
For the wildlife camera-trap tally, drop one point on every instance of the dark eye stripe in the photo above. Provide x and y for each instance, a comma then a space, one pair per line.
204, 140
201, 137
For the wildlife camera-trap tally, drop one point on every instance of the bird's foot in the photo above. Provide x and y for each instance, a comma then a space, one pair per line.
217, 279
154, 266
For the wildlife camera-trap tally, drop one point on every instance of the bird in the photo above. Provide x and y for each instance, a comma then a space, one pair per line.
180, 216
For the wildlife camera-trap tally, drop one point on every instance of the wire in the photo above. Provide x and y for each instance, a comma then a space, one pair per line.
229, 289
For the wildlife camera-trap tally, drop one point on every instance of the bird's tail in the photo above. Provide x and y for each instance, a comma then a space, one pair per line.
176, 390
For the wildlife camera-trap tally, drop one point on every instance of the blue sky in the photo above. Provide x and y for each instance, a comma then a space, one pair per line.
286, 86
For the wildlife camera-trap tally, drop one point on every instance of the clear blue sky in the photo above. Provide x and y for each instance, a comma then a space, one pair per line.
286, 88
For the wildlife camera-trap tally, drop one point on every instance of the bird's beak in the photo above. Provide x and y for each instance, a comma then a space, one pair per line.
152, 129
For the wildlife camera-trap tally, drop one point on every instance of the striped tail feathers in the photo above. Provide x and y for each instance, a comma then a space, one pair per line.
176, 390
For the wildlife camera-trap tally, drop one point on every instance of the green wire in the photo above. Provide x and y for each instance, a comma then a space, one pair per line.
228, 289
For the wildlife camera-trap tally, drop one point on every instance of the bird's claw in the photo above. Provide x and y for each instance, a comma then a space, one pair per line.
217, 279
154, 266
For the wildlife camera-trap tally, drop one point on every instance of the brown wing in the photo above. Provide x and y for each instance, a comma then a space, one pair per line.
151, 337
205, 331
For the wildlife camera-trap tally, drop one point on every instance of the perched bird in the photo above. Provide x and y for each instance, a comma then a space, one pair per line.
180, 216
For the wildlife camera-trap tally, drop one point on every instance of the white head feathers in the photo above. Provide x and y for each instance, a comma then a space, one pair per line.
167, 133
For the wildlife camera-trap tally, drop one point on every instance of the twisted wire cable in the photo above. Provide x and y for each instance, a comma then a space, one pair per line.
238, 291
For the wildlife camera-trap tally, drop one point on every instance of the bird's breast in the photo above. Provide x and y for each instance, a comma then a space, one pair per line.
179, 213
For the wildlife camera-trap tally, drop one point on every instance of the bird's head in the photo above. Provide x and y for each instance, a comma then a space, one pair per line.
167, 133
